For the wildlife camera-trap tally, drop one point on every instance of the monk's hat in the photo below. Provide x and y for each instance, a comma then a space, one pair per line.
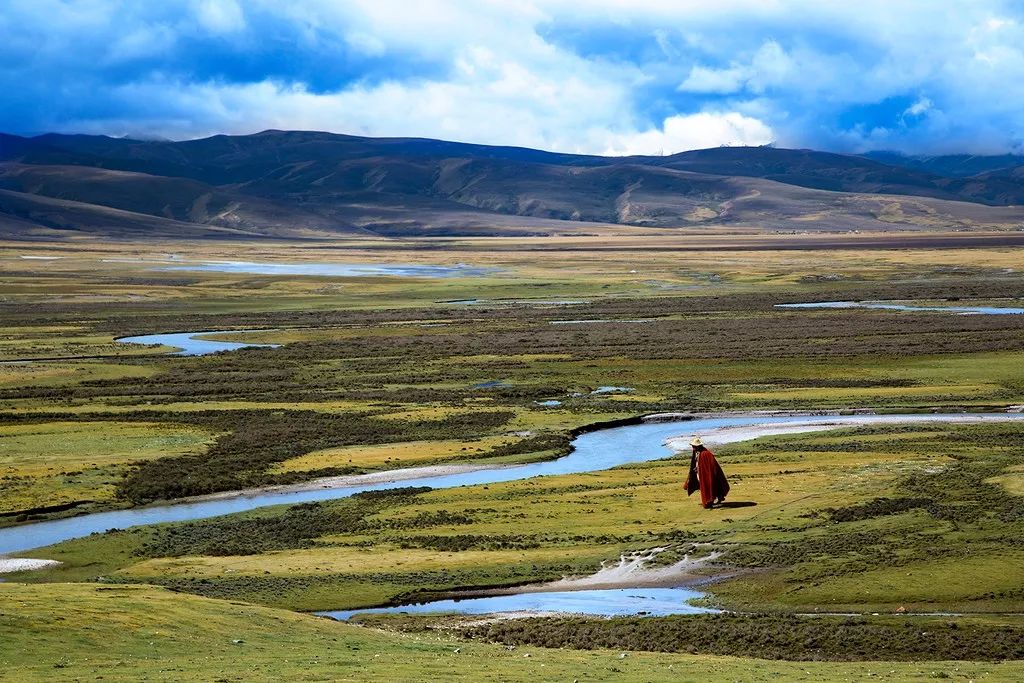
695, 441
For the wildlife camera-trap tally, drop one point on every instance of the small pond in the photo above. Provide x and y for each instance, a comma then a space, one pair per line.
599, 602
335, 269
192, 343
612, 390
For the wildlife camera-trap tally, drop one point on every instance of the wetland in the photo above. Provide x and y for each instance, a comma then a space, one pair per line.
366, 444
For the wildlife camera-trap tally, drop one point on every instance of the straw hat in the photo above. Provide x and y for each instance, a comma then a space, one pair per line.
695, 441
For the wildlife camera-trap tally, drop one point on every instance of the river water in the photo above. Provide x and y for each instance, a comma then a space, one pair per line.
597, 450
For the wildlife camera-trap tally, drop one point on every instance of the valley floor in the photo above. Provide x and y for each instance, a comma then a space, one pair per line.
505, 365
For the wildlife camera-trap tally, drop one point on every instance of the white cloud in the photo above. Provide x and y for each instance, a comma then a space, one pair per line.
220, 16
769, 66
921, 106
606, 74
694, 131
145, 41
703, 79
514, 110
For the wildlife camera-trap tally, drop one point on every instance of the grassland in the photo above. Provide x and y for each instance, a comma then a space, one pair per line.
57, 463
379, 373
130, 633
374, 378
848, 521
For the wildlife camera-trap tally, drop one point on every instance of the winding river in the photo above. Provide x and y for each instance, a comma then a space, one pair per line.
592, 451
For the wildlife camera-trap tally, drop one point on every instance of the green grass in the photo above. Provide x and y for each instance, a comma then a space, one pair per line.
131, 633
58, 463
824, 534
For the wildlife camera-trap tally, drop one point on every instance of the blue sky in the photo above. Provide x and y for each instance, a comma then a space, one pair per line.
600, 76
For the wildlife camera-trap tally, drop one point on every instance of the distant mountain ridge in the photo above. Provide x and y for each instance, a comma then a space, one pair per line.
952, 165
297, 184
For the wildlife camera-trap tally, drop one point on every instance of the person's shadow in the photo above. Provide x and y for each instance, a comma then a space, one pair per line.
736, 504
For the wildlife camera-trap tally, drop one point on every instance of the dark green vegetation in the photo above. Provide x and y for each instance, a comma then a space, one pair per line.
257, 439
769, 637
298, 184
296, 527
262, 438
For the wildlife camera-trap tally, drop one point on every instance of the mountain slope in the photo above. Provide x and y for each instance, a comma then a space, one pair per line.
178, 199
846, 173
31, 216
310, 184
950, 165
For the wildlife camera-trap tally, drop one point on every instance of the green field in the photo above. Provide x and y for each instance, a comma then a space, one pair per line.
129, 633
383, 372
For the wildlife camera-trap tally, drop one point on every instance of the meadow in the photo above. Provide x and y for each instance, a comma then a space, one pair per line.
377, 373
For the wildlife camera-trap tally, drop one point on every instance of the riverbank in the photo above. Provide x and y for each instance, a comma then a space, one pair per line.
9, 565
347, 481
726, 435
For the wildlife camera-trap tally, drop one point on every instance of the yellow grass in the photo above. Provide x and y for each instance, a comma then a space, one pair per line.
1012, 481
63, 462
406, 453
350, 561
35, 449
43, 373
811, 394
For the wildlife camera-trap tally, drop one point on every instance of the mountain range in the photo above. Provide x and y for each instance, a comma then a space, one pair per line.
297, 184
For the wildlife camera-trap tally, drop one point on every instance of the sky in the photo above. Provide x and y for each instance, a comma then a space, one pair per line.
593, 76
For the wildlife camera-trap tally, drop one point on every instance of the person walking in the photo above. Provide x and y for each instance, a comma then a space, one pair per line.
706, 475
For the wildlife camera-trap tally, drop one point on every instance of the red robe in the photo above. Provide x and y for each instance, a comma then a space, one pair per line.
707, 475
